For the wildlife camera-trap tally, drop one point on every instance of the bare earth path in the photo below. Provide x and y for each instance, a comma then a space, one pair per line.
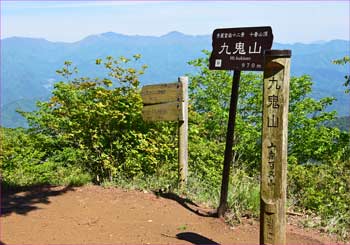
96, 215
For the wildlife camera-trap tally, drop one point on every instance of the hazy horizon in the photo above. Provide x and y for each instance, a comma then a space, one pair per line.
158, 36
71, 21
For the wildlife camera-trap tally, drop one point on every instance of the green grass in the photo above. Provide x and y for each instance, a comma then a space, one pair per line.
49, 174
243, 196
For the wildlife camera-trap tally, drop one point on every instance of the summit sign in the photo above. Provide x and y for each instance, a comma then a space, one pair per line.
240, 49
237, 49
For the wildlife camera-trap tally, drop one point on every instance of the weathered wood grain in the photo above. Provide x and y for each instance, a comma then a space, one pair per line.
163, 112
161, 93
274, 149
183, 134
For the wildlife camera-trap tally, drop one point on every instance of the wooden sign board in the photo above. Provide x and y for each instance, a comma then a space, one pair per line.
240, 49
161, 93
169, 102
274, 147
172, 111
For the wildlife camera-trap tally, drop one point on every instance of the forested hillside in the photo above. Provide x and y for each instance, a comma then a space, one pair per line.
29, 65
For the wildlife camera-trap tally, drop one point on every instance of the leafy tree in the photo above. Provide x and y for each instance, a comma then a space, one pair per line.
309, 139
344, 61
101, 119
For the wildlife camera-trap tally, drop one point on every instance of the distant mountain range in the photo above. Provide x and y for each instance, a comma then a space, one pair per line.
28, 65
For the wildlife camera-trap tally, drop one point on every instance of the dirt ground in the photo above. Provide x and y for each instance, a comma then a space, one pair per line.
96, 215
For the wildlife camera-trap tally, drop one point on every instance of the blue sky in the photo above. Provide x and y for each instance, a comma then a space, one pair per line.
69, 21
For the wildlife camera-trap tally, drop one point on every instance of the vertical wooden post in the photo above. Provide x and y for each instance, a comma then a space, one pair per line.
274, 147
229, 144
183, 134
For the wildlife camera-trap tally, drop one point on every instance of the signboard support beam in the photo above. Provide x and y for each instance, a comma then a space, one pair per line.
273, 185
229, 144
183, 134
169, 102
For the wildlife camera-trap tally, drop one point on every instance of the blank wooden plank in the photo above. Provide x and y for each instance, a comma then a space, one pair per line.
161, 93
163, 112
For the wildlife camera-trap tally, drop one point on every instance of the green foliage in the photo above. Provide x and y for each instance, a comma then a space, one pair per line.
244, 195
205, 156
91, 130
309, 140
210, 98
343, 123
24, 163
101, 120
325, 190
345, 60
317, 153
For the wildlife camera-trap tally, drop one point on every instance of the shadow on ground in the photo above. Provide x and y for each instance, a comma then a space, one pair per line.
194, 238
22, 200
186, 203
295, 238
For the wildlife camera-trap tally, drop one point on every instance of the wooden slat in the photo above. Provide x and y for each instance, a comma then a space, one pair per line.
161, 93
163, 112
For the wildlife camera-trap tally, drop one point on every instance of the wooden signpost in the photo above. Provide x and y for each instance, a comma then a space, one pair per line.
274, 147
236, 49
249, 49
169, 102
